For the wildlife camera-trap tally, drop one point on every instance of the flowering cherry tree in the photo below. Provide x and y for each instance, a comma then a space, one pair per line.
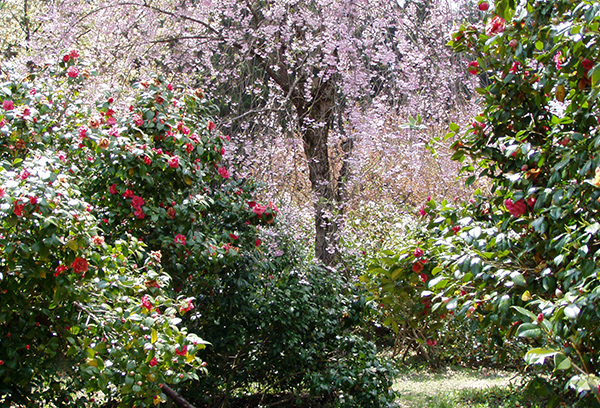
322, 80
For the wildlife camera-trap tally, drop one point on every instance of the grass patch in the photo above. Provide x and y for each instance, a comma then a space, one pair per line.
458, 387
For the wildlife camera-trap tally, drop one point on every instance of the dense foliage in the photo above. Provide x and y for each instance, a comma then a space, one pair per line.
521, 259
122, 229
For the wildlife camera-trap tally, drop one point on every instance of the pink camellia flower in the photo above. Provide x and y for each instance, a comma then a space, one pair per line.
137, 202
516, 209
139, 214
513, 44
113, 189
495, 26
180, 239
223, 172
83, 132
431, 342
173, 162
418, 253
484, 6
182, 351
74, 54
423, 277
98, 240
185, 130
259, 210
170, 87
146, 302
2, 192
24, 174
111, 121
72, 72
558, 60
422, 211
183, 309
8, 105
211, 125
114, 131
473, 67
62, 156
153, 362
138, 120
515, 67
128, 194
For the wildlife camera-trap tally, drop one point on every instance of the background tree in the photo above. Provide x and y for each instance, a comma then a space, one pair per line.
319, 80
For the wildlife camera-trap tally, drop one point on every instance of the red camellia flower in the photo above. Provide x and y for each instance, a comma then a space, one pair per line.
258, 241
66, 58
259, 210
137, 202
147, 160
431, 342
173, 162
484, 6
72, 72
113, 189
417, 267
182, 351
79, 265
128, 194
473, 67
18, 210
138, 120
423, 277
153, 362
233, 236
211, 126
587, 64
74, 54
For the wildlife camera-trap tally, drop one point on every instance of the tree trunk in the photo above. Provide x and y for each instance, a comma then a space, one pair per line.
314, 121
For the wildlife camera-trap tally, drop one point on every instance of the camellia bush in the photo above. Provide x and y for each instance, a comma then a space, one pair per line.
521, 260
96, 206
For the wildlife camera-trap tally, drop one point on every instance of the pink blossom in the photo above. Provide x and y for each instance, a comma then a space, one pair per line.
211, 125
138, 120
74, 54
258, 242
139, 214
83, 132
137, 202
259, 210
173, 162
516, 209
146, 302
223, 172
185, 130
515, 67
114, 132
2, 192
189, 147
170, 87
194, 138
431, 342
558, 60
72, 71
180, 239
24, 174
495, 26
418, 253
8, 105
184, 309
422, 211
111, 121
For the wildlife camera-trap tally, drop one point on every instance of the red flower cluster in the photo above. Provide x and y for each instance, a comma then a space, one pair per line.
515, 209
